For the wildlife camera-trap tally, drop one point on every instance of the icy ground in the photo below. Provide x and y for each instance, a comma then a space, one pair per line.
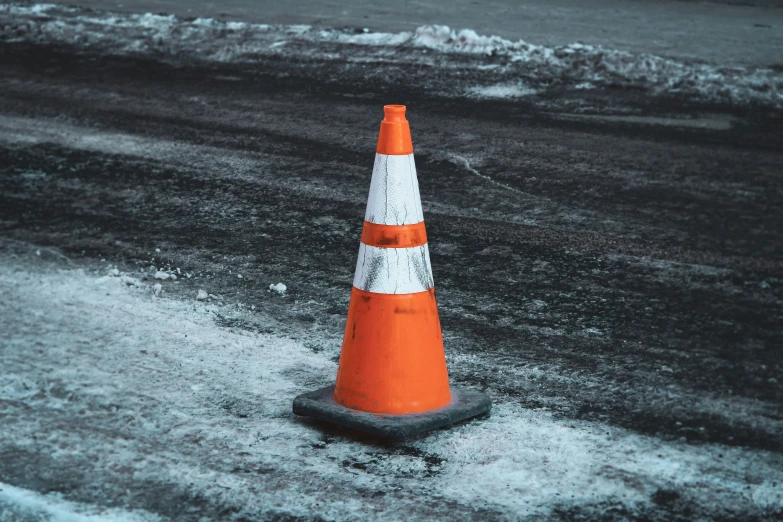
150, 403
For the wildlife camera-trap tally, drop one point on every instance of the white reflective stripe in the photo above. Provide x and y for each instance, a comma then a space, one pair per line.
393, 270
394, 192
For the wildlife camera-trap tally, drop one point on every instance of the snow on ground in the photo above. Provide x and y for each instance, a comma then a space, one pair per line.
17, 505
577, 65
138, 391
516, 90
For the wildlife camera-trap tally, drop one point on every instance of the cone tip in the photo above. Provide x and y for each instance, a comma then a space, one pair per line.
395, 135
393, 112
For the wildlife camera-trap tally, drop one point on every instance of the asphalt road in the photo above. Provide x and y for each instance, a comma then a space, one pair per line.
635, 262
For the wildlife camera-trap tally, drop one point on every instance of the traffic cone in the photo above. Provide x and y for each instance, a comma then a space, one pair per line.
392, 379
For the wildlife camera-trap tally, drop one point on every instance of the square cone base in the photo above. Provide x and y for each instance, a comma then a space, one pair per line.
465, 403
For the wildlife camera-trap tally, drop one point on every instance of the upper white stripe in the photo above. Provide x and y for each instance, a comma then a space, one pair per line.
394, 192
393, 270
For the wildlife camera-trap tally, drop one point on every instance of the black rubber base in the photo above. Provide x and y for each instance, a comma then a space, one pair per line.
320, 404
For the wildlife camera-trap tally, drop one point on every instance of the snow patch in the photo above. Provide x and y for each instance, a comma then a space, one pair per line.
368, 38
443, 38
278, 288
56, 509
502, 91
130, 281
14, 388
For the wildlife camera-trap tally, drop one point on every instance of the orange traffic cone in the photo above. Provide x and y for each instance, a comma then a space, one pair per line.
392, 379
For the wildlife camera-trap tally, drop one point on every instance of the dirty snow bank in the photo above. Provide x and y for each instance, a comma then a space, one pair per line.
575, 65
147, 398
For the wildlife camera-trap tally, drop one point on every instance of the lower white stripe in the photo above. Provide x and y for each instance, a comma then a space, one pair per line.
393, 270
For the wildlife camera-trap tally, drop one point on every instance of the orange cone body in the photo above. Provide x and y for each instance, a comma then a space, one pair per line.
392, 359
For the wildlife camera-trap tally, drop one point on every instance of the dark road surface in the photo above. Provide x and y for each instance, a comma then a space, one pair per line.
635, 263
